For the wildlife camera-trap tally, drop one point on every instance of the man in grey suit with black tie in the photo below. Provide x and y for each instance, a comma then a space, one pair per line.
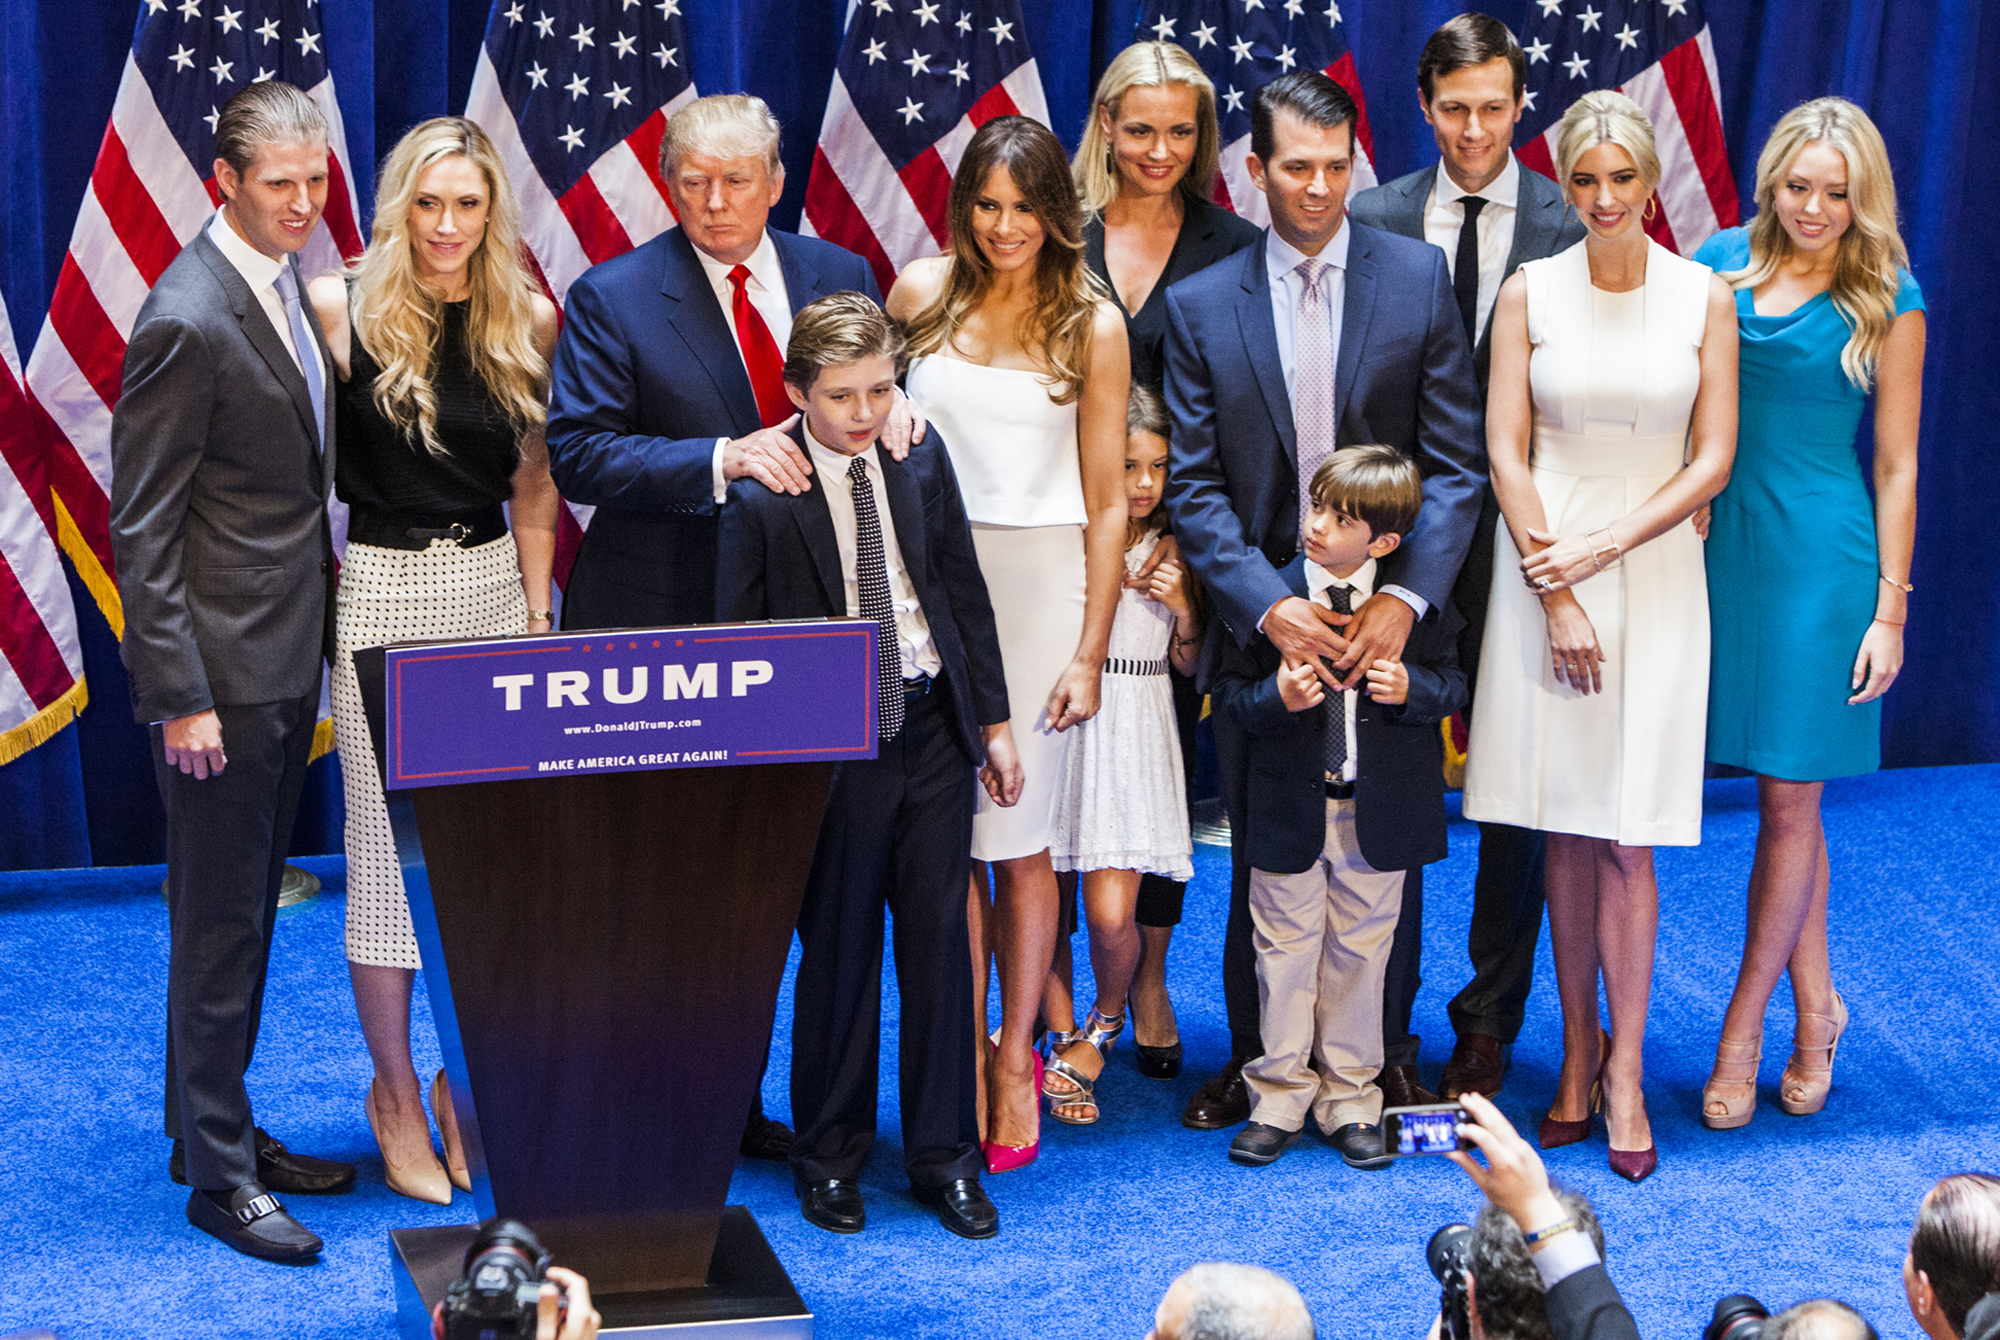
221, 465
1488, 215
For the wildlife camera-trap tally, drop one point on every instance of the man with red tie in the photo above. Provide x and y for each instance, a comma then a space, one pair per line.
669, 383
669, 377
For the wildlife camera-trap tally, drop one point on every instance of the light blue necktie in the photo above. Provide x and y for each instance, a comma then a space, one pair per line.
308, 349
1312, 377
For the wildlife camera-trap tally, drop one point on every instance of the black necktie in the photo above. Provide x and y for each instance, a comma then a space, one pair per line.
1465, 268
1342, 600
871, 575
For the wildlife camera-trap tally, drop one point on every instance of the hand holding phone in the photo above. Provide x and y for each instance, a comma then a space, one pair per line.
1428, 1129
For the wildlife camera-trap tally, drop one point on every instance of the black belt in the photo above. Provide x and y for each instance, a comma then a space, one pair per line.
399, 530
1339, 790
1119, 667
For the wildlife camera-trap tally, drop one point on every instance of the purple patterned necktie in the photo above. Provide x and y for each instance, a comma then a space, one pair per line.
1312, 389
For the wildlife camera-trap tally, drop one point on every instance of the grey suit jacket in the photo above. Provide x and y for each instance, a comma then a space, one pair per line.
218, 498
1542, 227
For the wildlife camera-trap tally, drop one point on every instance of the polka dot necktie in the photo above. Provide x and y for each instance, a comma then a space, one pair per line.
871, 573
1342, 600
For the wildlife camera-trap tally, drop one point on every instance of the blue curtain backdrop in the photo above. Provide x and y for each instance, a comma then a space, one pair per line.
1921, 67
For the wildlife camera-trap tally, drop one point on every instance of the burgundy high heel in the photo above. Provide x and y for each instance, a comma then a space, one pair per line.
1005, 1158
1635, 1165
1554, 1133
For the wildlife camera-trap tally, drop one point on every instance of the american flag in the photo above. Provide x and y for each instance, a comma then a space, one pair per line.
575, 95
152, 188
41, 663
1244, 46
915, 79
1658, 53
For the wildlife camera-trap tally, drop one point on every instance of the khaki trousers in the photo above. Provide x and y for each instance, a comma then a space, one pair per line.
1323, 939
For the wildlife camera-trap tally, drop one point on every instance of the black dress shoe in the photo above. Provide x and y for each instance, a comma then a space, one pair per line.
832, 1203
1402, 1086
254, 1224
1258, 1144
962, 1207
1360, 1145
766, 1138
279, 1169
1223, 1101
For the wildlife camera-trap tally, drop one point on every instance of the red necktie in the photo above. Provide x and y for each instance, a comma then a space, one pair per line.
760, 354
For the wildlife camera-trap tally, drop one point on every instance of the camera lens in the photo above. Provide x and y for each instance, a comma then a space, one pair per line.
1737, 1317
1446, 1250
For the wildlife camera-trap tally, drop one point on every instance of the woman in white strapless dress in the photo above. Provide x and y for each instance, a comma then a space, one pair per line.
1022, 365
1611, 418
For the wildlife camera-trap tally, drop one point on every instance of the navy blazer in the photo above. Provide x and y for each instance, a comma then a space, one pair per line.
779, 559
1399, 758
647, 376
1404, 377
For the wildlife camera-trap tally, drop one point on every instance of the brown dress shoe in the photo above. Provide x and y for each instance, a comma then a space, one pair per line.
1477, 1065
1402, 1086
1223, 1101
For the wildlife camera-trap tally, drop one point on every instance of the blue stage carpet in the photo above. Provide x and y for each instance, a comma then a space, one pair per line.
93, 1242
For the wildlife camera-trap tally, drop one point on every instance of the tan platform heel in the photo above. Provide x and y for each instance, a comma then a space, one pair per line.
1729, 1101
1802, 1090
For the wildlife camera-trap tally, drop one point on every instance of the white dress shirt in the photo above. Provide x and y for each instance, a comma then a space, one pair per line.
913, 630
766, 290
260, 272
1444, 214
1362, 580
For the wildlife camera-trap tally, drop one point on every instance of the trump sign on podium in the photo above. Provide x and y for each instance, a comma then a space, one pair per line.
627, 700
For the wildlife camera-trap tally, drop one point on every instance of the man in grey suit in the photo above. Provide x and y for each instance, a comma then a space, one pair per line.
221, 465
1489, 215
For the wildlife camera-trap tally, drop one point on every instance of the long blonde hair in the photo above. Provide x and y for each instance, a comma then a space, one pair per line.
1146, 65
398, 320
1066, 292
1869, 256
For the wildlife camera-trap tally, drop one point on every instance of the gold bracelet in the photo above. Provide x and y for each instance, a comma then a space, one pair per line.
548, 615
1904, 587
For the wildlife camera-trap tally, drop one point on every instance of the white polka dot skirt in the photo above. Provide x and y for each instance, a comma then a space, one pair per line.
394, 595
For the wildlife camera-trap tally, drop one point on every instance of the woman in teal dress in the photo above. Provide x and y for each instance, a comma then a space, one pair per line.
1808, 580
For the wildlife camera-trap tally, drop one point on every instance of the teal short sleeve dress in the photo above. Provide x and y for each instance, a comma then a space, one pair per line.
1792, 565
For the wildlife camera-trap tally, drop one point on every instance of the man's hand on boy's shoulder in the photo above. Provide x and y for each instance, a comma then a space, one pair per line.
1299, 685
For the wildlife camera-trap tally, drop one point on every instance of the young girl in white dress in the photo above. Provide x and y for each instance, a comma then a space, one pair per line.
1121, 806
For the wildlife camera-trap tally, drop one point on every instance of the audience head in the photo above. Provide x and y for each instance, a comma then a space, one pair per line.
1364, 499
1823, 181
841, 368
1954, 1256
1302, 155
1152, 129
1146, 434
1606, 162
1818, 1319
270, 165
1508, 1297
719, 160
1470, 77
1220, 1300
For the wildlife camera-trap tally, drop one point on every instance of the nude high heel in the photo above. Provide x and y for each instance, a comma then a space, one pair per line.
1729, 1101
454, 1149
1803, 1088
422, 1181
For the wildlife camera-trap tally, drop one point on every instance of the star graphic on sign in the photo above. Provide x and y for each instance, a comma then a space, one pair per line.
1675, 8
959, 74
666, 56
1537, 51
538, 76
308, 42
918, 62
626, 45
1163, 29
212, 117
231, 20
964, 23
1002, 32
1205, 34
183, 59
1577, 66
1333, 15
1528, 99
582, 37
264, 75
668, 8
1295, 8
572, 137
619, 95
1232, 101
578, 87
544, 24
910, 111
1286, 58
1628, 38
1241, 46
1590, 18
874, 51
926, 12
1550, 7
190, 10
221, 70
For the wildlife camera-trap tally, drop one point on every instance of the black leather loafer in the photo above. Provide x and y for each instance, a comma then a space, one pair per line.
1258, 1144
766, 1138
834, 1204
1360, 1145
254, 1224
279, 1169
962, 1207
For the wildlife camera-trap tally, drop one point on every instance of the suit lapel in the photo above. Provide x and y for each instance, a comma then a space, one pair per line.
816, 527
701, 322
906, 510
1415, 189
1260, 342
1355, 313
802, 286
263, 337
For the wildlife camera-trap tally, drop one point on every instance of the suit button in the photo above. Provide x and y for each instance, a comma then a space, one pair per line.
323, 565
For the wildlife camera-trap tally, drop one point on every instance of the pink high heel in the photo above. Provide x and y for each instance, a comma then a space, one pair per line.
1005, 1158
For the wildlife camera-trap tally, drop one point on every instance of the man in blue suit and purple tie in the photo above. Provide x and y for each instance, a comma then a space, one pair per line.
669, 383
1329, 334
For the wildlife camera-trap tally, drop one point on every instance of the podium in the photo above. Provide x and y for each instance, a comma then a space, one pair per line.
605, 838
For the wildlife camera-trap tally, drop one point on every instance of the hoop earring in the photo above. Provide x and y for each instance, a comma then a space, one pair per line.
1652, 209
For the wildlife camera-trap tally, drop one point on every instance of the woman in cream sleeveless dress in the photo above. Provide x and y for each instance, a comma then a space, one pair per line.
1611, 418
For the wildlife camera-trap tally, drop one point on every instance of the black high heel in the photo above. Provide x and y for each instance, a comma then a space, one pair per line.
1158, 1062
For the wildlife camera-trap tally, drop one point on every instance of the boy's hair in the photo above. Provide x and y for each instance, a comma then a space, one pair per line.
1956, 1241
838, 330
1145, 414
1375, 484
